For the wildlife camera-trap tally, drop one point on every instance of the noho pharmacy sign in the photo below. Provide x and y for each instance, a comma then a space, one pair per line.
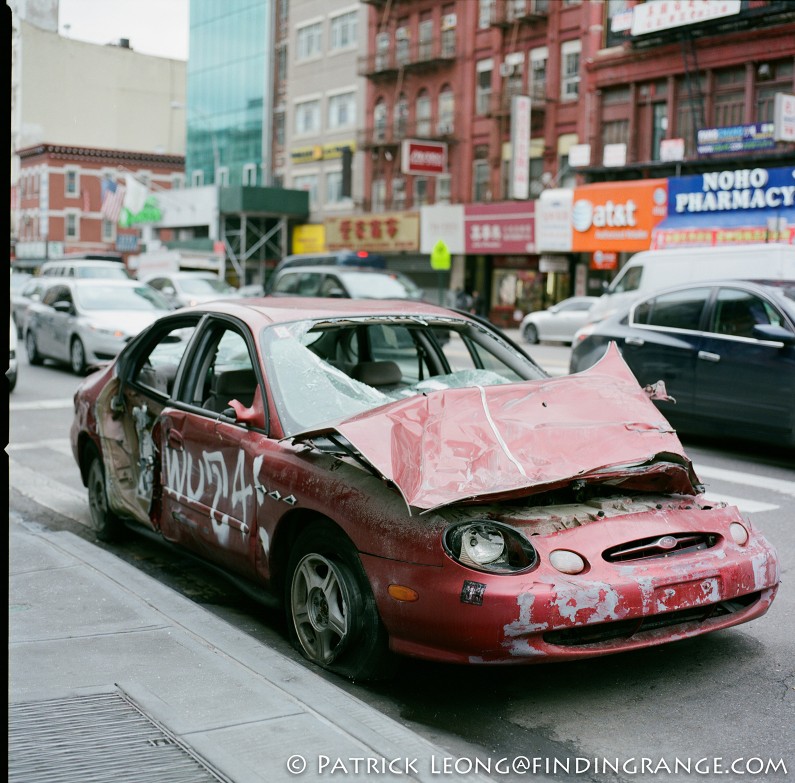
423, 157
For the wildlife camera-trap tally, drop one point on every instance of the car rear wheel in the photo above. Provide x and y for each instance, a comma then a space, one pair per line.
34, 357
530, 333
105, 524
331, 613
77, 357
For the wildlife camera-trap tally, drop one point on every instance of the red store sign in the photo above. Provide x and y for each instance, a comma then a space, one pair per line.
423, 157
506, 228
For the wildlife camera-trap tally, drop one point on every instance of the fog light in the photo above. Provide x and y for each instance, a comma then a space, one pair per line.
739, 533
567, 562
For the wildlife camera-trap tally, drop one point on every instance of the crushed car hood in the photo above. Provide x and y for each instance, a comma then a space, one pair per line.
503, 441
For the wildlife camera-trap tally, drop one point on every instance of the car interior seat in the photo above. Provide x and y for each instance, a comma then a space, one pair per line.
231, 385
377, 374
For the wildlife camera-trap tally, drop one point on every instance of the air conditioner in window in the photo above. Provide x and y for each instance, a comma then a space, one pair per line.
448, 22
507, 69
444, 128
401, 34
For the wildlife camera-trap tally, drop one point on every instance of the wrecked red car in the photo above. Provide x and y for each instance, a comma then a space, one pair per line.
407, 481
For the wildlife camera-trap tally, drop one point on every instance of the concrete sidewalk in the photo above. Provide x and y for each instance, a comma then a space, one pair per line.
115, 677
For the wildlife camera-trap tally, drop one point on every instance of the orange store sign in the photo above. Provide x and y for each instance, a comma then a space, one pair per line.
617, 216
386, 231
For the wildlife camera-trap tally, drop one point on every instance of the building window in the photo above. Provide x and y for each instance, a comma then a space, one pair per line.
570, 70
342, 110
398, 193
250, 175
480, 181
378, 195
108, 231
443, 189
729, 103
334, 187
486, 13
379, 120
401, 118
308, 44
659, 128
483, 88
197, 178
278, 127
538, 73
402, 43
381, 51
71, 182
426, 39
307, 117
420, 191
615, 132
281, 63
72, 225
423, 114
343, 31
177, 181
448, 31
307, 182
446, 111
771, 78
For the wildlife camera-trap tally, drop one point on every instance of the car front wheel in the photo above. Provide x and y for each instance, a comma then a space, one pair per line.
77, 357
106, 525
34, 357
530, 333
331, 613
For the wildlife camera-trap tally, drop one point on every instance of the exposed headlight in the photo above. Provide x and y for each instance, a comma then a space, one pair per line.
566, 562
489, 546
738, 533
117, 333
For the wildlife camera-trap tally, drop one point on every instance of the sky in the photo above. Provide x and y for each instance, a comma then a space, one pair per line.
154, 27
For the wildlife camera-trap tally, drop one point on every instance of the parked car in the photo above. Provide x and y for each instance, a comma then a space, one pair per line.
343, 282
557, 323
85, 267
88, 321
186, 288
724, 349
13, 359
21, 300
403, 496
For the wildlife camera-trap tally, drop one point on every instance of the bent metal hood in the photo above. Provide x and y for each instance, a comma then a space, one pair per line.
503, 441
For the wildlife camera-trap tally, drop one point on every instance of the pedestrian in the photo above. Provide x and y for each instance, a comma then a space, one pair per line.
463, 301
478, 305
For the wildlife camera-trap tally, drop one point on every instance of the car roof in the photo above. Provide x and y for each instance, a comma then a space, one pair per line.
183, 273
330, 268
276, 309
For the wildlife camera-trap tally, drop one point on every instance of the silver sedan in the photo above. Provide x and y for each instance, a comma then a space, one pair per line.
559, 322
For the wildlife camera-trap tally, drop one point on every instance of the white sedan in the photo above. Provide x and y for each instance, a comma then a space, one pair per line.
559, 322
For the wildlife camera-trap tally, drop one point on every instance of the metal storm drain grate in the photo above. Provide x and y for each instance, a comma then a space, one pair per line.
102, 737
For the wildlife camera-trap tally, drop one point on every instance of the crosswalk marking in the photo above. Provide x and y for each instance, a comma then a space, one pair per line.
748, 479
744, 504
41, 405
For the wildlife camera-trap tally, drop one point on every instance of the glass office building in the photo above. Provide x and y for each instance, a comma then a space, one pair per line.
229, 93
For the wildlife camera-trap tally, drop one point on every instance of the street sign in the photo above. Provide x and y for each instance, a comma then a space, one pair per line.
440, 256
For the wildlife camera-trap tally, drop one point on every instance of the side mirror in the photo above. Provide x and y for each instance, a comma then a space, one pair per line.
168, 291
62, 307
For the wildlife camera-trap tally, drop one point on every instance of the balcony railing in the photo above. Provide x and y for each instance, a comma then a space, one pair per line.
512, 11
499, 104
392, 134
415, 55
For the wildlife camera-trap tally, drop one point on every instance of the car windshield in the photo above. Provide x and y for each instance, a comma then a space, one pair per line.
364, 285
111, 297
327, 371
205, 285
105, 272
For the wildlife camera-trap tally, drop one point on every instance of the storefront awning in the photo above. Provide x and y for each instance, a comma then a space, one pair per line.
730, 227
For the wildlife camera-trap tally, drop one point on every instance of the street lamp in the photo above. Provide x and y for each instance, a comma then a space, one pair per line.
213, 137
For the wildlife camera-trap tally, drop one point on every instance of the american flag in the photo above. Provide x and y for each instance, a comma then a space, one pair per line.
112, 200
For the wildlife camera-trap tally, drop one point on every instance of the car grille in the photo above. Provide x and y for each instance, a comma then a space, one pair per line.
660, 546
626, 629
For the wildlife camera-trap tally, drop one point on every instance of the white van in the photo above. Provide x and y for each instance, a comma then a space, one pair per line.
652, 269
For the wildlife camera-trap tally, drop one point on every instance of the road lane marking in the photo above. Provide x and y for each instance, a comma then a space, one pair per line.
744, 504
41, 405
747, 479
61, 445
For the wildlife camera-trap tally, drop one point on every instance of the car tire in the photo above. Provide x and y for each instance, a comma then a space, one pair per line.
77, 356
332, 617
12, 380
530, 333
34, 357
106, 525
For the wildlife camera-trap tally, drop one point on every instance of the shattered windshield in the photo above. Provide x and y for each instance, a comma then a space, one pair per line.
328, 371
